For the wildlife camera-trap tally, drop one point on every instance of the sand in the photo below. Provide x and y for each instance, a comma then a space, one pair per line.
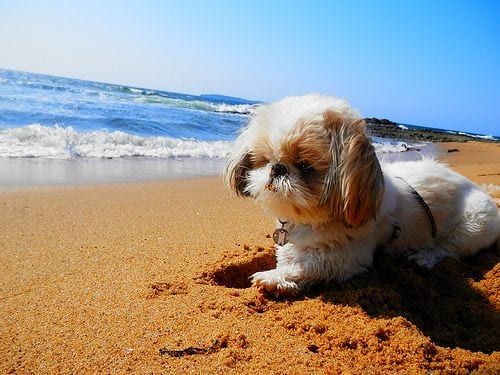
479, 162
153, 278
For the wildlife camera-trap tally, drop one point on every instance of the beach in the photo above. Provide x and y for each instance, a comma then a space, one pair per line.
152, 277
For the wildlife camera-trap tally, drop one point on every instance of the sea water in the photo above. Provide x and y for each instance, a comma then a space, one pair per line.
56, 130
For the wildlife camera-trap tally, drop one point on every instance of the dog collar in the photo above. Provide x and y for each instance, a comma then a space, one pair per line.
280, 235
427, 209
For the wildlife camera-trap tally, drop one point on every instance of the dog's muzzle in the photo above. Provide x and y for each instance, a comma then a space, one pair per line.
277, 170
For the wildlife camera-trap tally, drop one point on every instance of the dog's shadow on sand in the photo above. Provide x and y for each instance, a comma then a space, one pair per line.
456, 303
446, 303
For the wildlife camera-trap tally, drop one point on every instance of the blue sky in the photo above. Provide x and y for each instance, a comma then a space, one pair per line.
433, 63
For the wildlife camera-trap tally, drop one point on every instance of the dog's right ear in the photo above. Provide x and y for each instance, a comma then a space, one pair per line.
238, 164
354, 184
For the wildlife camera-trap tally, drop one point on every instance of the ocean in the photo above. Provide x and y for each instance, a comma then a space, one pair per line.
56, 130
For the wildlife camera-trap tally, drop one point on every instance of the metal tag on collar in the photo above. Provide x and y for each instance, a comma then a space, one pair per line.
280, 235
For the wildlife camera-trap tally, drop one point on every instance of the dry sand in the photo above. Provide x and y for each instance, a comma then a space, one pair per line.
479, 162
154, 278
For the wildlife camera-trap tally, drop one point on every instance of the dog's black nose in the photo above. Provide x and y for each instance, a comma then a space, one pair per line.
278, 169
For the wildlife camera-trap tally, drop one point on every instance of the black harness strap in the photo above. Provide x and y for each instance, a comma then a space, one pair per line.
428, 211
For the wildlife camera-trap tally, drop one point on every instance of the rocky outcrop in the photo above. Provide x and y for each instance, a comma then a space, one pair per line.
388, 129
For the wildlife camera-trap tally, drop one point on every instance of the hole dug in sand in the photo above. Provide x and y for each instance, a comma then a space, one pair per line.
236, 270
158, 289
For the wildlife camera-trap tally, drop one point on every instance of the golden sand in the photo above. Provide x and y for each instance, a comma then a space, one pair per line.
153, 278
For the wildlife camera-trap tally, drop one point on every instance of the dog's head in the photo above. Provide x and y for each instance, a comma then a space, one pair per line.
308, 159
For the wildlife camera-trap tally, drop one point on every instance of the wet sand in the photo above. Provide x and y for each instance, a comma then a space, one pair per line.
153, 277
18, 173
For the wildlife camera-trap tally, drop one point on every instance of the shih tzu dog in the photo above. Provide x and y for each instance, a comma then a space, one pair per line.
308, 162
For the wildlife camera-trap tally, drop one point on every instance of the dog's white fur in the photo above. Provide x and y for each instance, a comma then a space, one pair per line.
340, 203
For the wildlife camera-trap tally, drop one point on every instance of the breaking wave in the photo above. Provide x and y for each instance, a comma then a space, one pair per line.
38, 141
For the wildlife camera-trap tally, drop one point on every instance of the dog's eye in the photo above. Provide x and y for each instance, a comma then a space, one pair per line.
259, 161
305, 167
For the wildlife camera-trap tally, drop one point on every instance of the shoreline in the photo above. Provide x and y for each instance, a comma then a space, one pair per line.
153, 277
43, 172
22, 173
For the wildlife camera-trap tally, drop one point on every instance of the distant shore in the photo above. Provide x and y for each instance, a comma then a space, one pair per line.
384, 128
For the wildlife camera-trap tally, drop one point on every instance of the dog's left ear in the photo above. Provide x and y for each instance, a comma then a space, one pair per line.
354, 184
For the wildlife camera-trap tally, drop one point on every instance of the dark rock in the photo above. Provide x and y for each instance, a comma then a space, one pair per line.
384, 128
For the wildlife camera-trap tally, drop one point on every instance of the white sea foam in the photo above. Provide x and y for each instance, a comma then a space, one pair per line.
480, 136
241, 109
489, 137
38, 141
135, 91
386, 147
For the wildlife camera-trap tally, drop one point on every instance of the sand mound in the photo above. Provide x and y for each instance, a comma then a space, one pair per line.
393, 318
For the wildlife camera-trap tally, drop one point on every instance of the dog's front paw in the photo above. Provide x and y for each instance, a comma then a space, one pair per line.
273, 282
427, 259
